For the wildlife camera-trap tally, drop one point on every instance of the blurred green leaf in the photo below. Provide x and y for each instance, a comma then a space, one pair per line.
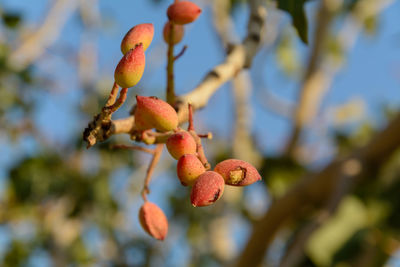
11, 19
296, 10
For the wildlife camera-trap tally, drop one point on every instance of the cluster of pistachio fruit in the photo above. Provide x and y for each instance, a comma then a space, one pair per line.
185, 146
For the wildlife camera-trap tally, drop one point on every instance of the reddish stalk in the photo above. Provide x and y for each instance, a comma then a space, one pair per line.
200, 150
191, 126
150, 170
170, 66
114, 107
113, 95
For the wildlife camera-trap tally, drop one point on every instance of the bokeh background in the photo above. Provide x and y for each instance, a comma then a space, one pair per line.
63, 205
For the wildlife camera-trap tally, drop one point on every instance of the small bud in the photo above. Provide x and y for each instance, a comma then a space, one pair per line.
153, 220
207, 189
183, 12
178, 32
189, 168
237, 172
141, 33
130, 68
181, 143
152, 112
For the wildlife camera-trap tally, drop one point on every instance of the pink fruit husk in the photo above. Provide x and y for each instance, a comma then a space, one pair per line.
152, 112
207, 189
153, 220
130, 68
188, 169
181, 143
141, 33
183, 12
178, 33
237, 172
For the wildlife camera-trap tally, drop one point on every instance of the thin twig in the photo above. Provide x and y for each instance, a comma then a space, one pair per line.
199, 147
200, 150
131, 147
101, 125
181, 53
113, 95
121, 99
150, 170
191, 125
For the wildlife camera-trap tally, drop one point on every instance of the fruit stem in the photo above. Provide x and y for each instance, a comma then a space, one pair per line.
170, 66
121, 99
199, 147
113, 95
150, 170
200, 150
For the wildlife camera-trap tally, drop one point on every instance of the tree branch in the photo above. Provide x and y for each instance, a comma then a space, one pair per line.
314, 83
315, 189
239, 57
295, 252
35, 45
320, 72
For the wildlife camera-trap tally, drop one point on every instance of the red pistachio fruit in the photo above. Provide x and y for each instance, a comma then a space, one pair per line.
130, 68
189, 168
153, 220
178, 33
181, 143
237, 172
207, 189
152, 112
141, 33
183, 12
